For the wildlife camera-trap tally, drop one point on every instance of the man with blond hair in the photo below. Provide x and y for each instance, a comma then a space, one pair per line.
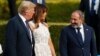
19, 40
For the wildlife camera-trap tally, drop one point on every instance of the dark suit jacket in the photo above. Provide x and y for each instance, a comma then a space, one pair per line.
71, 46
85, 7
17, 41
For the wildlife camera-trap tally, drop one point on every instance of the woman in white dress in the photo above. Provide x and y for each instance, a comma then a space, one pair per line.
43, 43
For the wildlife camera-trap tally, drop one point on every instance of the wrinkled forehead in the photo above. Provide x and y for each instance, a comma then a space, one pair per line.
75, 14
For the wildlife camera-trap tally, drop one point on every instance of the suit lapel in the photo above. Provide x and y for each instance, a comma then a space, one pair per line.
75, 36
24, 27
85, 33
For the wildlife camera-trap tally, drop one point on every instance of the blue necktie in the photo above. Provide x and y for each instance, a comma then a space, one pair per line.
33, 42
27, 26
29, 31
92, 7
79, 35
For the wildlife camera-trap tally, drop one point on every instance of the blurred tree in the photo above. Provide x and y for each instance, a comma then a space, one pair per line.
12, 7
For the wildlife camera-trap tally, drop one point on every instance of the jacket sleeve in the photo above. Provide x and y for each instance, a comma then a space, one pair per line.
10, 40
93, 45
63, 44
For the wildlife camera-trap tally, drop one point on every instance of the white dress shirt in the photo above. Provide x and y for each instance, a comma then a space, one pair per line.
82, 32
1, 51
39, 1
96, 5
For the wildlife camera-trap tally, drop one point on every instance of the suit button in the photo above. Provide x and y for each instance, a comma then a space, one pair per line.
82, 48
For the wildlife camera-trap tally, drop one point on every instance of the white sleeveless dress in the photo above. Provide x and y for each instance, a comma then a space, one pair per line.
41, 36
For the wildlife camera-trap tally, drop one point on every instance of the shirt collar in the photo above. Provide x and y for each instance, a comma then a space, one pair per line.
22, 17
81, 26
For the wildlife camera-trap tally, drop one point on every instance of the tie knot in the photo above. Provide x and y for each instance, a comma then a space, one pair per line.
78, 28
27, 25
26, 21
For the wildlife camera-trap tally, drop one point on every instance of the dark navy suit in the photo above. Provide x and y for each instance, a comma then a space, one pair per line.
17, 41
92, 20
71, 46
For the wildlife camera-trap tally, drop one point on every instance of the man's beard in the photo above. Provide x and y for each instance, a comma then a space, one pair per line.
75, 25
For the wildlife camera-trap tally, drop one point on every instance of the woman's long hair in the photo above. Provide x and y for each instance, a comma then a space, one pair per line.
40, 9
